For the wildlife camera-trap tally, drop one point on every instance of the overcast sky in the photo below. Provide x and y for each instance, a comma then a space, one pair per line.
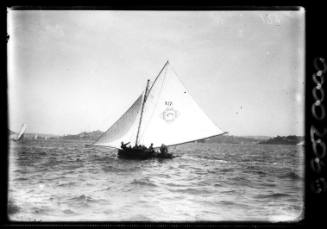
73, 71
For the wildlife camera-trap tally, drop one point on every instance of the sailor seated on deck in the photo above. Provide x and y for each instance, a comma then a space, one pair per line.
123, 146
163, 149
151, 147
143, 147
139, 147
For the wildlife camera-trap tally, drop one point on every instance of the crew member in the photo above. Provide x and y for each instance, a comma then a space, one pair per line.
123, 146
163, 149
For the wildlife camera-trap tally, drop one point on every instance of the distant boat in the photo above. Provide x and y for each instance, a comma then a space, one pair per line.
163, 115
35, 137
20, 136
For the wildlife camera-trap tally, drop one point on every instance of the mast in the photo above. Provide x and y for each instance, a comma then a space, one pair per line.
142, 108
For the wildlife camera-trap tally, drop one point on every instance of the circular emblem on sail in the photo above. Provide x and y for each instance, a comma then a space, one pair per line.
169, 114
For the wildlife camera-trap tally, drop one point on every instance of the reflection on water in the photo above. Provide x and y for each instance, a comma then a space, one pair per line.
65, 181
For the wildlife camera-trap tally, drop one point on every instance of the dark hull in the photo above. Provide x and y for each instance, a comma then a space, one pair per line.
138, 154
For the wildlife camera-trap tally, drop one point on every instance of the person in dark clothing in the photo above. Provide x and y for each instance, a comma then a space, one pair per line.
151, 150
123, 146
163, 149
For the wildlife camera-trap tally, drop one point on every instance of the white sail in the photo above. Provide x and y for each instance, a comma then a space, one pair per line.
124, 129
21, 133
170, 114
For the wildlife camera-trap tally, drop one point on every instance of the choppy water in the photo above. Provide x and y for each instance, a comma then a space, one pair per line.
65, 181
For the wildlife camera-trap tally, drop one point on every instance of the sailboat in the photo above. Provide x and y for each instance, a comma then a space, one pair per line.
164, 114
18, 137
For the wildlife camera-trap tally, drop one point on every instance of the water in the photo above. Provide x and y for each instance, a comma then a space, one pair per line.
66, 181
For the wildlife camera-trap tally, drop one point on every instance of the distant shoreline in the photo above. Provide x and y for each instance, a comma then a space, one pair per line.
282, 140
94, 135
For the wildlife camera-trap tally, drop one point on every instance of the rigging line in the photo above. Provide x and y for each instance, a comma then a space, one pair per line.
156, 103
167, 62
148, 93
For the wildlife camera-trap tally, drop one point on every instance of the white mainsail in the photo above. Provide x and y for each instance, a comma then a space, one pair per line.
170, 116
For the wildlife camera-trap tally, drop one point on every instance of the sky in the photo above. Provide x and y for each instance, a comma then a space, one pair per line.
72, 71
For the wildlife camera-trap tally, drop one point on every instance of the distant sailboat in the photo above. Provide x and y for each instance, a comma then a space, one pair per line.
164, 113
20, 136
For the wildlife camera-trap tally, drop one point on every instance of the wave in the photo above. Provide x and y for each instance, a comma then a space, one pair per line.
139, 217
112, 169
226, 170
290, 175
259, 172
274, 195
40, 210
265, 184
226, 202
204, 158
175, 185
231, 203
12, 208
69, 184
82, 200
20, 179
240, 181
42, 153
51, 162
228, 191
218, 185
71, 167
69, 212
145, 182
212, 158
191, 191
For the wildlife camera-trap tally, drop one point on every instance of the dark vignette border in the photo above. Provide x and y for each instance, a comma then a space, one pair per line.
315, 51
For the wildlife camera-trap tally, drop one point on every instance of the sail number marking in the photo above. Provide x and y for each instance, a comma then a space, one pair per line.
169, 114
168, 103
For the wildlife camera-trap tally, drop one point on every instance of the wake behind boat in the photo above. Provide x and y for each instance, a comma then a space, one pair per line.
163, 115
